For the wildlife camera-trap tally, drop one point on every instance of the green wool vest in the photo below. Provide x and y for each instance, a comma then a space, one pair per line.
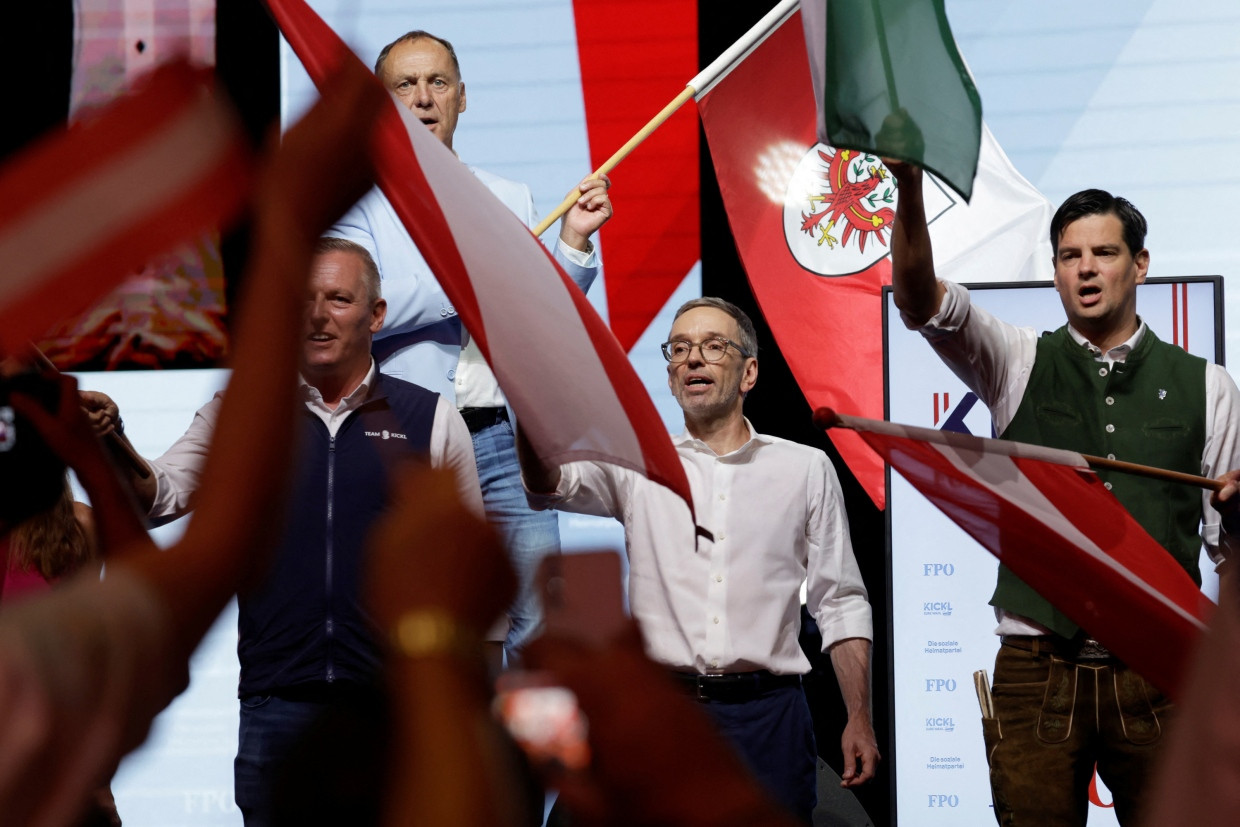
1149, 409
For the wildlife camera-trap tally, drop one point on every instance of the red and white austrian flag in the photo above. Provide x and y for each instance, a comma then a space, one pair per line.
562, 370
1048, 517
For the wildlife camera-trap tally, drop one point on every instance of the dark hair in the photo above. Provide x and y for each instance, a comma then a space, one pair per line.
33, 473
749, 337
409, 37
52, 542
1100, 202
370, 271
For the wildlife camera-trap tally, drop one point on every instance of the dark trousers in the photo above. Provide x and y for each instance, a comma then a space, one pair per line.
311, 755
269, 728
1055, 718
774, 734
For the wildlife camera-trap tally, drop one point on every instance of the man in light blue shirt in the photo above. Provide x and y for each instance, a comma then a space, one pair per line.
423, 341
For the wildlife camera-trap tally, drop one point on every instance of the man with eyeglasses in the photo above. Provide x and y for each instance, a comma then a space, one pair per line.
722, 612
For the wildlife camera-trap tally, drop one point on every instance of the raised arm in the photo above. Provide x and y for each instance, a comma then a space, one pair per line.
590, 212
69, 433
916, 290
105, 417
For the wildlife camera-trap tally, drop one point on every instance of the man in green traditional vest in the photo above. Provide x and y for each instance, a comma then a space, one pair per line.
1102, 384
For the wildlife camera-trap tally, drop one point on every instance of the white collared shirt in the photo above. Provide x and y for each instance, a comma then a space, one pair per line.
731, 604
178, 469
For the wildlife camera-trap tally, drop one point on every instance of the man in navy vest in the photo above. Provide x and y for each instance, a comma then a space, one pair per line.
1102, 384
305, 642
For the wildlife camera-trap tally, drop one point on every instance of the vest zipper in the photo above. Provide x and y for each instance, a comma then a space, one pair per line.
331, 501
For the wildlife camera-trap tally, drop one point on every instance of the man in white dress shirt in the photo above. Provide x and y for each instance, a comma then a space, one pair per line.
724, 613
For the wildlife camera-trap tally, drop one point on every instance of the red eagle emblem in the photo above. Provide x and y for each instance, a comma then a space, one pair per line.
853, 182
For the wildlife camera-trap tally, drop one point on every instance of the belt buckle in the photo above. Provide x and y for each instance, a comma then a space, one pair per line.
699, 685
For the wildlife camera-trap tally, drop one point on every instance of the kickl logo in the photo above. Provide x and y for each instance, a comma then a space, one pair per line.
838, 211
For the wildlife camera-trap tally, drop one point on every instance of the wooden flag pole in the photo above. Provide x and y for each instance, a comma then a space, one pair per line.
827, 418
698, 84
610, 164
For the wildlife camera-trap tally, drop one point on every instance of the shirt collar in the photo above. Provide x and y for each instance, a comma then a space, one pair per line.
1116, 354
755, 439
309, 393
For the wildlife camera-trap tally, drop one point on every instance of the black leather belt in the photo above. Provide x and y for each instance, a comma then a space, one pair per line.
734, 686
1079, 648
326, 692
478, 418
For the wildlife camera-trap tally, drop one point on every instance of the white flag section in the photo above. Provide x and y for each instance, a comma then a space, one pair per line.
1048, 517
527, 316
1001, 234
565, 375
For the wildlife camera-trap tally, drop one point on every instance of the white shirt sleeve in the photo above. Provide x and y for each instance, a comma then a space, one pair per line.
178, 469
595, 488
835, 592
452, 449
1222, 448
993, 358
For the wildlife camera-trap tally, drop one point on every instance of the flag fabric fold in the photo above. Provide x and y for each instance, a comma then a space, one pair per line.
899, 87
812, 224
85, 208
1048, 517
562, 370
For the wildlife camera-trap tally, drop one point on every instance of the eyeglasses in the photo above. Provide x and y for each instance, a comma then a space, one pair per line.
712, 349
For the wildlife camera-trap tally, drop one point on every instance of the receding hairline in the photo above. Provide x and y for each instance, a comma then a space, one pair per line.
413, 37
370, 270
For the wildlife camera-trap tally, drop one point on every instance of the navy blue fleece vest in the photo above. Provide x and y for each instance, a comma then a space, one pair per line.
306, 620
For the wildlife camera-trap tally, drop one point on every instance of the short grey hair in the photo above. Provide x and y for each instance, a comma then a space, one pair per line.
370, 270
749, 337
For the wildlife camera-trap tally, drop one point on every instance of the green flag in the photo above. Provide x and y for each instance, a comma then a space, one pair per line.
895, 85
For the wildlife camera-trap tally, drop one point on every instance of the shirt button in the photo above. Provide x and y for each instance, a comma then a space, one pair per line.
1107, 485
714, 664
723, 496
722, 536
443, 311
718, 578
452, 373
1110, 400
1102, 371
1110, 428
716, 621
1110, 456
451, 310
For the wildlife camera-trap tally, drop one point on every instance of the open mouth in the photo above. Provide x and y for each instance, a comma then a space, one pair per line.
1089, 293
694, 381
